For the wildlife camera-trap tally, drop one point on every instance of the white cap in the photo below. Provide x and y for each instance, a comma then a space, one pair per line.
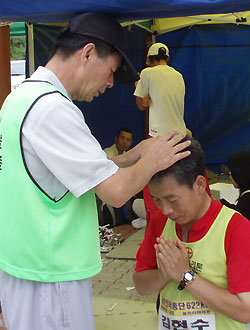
154, 49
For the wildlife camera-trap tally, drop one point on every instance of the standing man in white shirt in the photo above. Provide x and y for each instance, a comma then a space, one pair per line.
51, 166
162, 89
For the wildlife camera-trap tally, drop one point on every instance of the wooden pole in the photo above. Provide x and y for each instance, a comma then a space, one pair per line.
31, 51
5, 85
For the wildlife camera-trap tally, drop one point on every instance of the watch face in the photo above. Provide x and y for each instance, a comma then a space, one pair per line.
188, 277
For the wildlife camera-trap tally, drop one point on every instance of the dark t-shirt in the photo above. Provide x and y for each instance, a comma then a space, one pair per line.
242, 206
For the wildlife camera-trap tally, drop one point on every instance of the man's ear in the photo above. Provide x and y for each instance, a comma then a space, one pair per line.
200, 184
87, 51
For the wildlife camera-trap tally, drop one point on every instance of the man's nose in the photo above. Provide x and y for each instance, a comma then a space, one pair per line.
166, 208
110, 82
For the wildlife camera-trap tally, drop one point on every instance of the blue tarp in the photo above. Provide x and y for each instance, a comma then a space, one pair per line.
63, 10
214, 60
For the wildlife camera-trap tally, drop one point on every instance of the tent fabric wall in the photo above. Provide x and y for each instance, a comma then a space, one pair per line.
114, 109
164, 25
63, 10
214, 60
216, 70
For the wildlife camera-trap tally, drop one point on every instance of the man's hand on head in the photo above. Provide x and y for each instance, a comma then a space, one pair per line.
163, 151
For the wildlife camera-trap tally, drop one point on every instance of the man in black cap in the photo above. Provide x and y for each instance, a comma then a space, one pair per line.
49, 242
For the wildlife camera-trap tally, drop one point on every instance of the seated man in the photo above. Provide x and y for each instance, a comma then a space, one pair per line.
123, 140
196, 253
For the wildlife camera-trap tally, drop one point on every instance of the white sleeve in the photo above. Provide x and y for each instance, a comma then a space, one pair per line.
142, 88
62, 140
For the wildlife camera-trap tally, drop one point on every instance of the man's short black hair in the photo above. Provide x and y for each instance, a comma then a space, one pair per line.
68, 43
124, 129
186, 170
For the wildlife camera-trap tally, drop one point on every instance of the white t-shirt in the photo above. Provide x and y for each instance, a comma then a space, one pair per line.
59, 149
166, 88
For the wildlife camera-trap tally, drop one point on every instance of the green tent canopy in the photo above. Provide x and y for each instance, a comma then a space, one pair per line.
17, 29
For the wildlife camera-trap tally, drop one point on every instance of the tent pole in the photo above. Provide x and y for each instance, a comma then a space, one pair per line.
31, 55
5, 85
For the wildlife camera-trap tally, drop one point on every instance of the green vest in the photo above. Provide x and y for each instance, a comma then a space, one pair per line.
40, 239
207, 258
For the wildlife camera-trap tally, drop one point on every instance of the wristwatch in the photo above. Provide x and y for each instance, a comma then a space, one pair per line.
187, 278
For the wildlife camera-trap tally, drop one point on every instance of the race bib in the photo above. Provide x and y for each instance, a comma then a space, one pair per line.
191, 315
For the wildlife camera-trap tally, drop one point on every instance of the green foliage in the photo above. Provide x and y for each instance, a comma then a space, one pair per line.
18, 48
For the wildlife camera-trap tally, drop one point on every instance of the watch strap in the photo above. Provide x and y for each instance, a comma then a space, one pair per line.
181, 285
184, 282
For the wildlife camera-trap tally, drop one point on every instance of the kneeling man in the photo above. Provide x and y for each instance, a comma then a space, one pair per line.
196, 253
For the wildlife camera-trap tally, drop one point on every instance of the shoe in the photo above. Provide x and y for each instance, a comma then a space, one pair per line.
108, 239
139, 223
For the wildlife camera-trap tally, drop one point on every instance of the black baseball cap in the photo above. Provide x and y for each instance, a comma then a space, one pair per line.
107, 29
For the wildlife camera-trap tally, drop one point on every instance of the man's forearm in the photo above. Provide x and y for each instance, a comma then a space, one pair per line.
125, 183
236, 306
139, 103
149, 281
128, 158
